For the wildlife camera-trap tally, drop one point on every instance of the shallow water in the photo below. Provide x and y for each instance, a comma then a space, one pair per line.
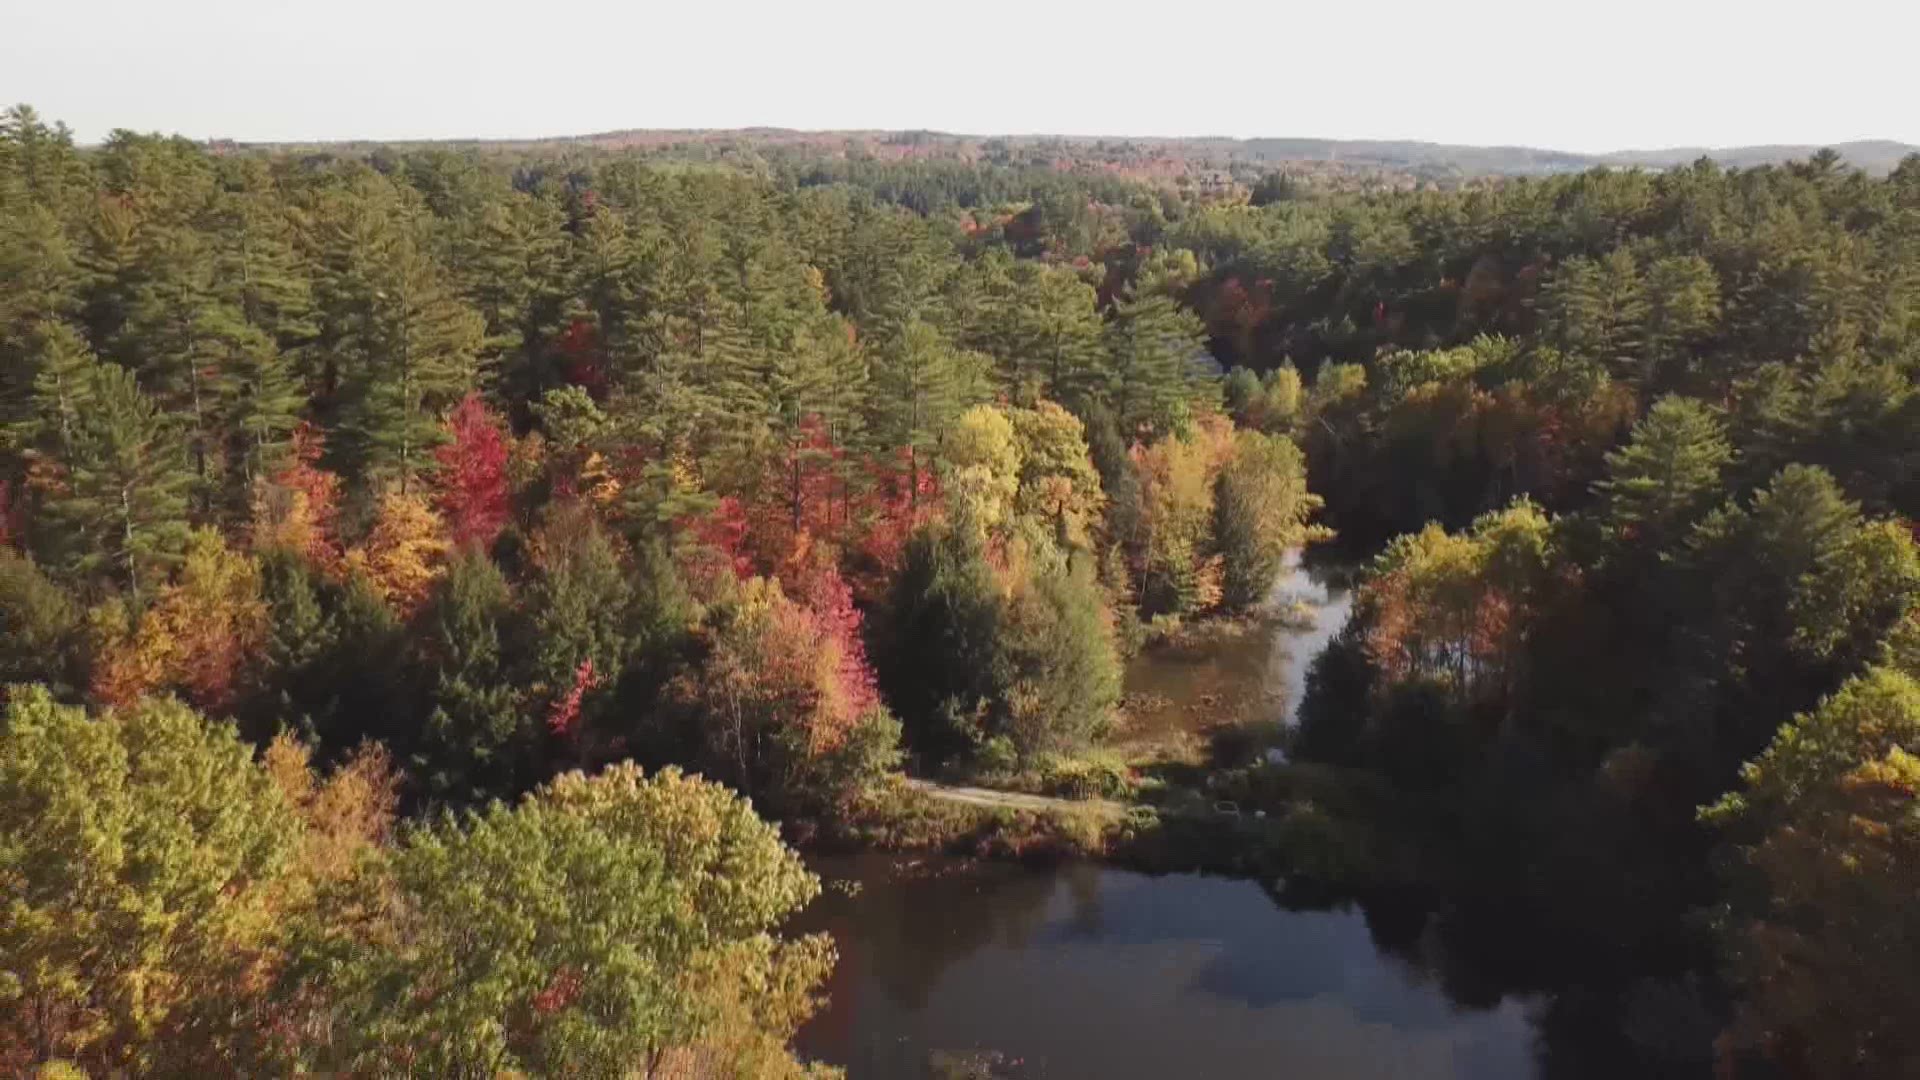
1088, 971
1259, 674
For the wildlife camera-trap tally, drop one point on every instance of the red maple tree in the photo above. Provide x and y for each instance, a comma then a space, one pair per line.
472, 493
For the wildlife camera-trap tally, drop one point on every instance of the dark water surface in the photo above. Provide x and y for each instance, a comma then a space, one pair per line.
1086, 971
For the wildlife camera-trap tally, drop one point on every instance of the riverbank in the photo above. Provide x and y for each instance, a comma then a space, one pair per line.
1187, 779
1302, 828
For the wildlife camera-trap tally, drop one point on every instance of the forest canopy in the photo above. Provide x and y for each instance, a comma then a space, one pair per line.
393, 510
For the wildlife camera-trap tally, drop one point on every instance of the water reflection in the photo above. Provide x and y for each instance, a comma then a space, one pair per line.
1209, 680
1086, 971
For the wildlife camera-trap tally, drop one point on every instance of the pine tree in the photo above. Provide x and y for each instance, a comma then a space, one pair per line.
1596, 311
260, 258
186, 335
1666, 476
258, 412
508, 262
41, 163
1040, 324
1058, 335
937, 647
397, 345
59, 367
39, 281
1151, 376
919, 384
420, 356
477, 743
125, 508
1683, 311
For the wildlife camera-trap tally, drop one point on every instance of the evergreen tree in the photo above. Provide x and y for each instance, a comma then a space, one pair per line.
1665, 477
261, 259
1596, 311
580, 613
478, 742
59, 368
937, 653
124, 507
397, 344
1152, 376
424, 360
39, 283
187, 334
1683, 312
1056, 653
919, 385
508, 259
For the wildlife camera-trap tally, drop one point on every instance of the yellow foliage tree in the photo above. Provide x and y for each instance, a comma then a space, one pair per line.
203, 630
348, 814
405, 553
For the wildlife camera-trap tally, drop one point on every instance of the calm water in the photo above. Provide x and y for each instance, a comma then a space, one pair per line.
1257, 675
1084, 971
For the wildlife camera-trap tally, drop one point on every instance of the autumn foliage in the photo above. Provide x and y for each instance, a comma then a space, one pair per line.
404, 553
201, 636
472, 482
296, 507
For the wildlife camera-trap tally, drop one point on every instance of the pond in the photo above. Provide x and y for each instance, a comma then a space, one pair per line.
1088, 971
953, 969
967, 971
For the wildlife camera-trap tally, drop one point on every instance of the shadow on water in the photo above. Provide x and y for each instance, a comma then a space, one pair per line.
1082, 970
957, 969
1087, 971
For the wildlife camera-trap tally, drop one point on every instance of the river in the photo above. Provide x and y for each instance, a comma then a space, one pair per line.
1204, 681
951, 969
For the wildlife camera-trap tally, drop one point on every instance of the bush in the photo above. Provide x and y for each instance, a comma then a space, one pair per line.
1097, 776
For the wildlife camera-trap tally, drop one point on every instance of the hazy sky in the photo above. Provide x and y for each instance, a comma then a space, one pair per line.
1591, 75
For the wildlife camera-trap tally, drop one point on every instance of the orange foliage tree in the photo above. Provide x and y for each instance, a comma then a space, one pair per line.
405, 553
202, 633
784, 700
295, 508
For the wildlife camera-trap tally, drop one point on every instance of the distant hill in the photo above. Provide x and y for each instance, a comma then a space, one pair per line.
1395, 161
1873, 155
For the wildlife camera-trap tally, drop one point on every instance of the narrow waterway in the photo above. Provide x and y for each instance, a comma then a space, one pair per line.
962, 970
1257, 673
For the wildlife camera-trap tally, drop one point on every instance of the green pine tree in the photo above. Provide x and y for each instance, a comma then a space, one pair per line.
1151, 377
124, 513
478, 742
1665, 477
919, 384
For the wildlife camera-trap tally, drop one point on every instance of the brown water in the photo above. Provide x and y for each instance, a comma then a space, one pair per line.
1087, 971
1256, 673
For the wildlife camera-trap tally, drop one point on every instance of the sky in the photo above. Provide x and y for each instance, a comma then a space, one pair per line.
1588, 76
